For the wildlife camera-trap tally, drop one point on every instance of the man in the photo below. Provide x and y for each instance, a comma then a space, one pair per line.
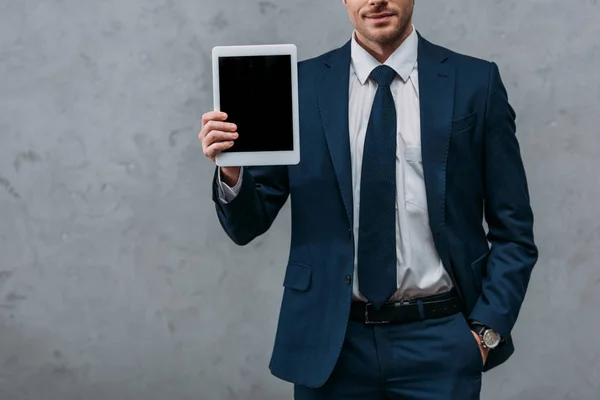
392, 289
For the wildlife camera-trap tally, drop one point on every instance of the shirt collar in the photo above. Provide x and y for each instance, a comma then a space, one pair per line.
402, 60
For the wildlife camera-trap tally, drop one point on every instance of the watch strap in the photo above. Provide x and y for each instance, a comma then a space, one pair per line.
478, 328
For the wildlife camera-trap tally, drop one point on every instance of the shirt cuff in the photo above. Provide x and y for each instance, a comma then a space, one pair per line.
227, 193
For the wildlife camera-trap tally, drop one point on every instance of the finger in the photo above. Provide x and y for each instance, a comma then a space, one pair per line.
219, 136
220, 126
213, 116
216, 125
213, 150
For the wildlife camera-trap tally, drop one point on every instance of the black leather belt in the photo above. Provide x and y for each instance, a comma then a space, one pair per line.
436, 306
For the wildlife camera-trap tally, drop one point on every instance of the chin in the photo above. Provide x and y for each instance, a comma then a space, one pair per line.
383, 36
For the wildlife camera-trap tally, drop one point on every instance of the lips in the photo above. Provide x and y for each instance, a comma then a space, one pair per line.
379, 16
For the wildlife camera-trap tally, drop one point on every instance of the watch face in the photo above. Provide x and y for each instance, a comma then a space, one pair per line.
491, 338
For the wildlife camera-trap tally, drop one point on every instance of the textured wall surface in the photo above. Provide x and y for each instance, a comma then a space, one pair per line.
116, 281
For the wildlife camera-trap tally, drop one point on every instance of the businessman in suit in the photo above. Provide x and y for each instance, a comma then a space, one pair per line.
393, 288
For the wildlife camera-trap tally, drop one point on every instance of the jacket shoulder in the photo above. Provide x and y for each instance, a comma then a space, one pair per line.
460, 59
317, 62
311, 64
470, 70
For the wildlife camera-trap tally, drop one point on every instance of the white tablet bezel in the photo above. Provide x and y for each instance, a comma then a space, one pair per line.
262, 157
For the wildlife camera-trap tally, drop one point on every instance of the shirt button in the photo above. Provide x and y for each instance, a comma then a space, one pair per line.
348, 279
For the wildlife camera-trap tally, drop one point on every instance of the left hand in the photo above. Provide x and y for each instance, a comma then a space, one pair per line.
484, 351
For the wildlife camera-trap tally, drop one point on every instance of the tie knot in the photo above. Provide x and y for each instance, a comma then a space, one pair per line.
383, 75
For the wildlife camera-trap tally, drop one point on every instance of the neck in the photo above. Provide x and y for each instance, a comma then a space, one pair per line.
383, 50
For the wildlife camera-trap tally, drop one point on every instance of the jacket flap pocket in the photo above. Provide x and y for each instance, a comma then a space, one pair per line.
297, 276
462, 124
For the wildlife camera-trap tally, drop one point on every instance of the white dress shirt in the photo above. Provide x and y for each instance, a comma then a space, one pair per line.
420, 271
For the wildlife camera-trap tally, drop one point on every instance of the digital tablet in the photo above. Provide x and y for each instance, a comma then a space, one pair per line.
257, 87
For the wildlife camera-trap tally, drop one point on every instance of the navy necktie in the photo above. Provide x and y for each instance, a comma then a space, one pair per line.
377, 216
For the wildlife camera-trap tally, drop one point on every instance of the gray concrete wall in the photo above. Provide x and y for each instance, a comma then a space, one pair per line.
116, 281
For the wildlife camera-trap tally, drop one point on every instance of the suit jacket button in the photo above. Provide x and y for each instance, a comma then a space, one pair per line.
348, 279
350, 232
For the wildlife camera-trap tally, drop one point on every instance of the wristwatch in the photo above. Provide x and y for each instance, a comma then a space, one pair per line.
490, 339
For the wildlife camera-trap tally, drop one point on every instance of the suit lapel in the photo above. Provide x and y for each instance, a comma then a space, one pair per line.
333, 92
436, 96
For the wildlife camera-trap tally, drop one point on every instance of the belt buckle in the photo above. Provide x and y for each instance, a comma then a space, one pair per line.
368, 321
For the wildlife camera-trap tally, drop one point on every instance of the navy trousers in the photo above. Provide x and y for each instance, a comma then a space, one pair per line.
433, 359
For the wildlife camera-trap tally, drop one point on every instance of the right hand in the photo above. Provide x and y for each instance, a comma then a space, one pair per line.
217, 135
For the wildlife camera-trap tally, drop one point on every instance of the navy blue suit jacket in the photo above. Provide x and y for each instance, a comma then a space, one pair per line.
472, 167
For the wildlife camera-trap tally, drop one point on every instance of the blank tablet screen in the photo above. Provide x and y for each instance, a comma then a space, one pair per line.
256, 94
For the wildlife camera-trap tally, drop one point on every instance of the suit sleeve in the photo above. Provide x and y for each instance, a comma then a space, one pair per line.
262, 193
508, 214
